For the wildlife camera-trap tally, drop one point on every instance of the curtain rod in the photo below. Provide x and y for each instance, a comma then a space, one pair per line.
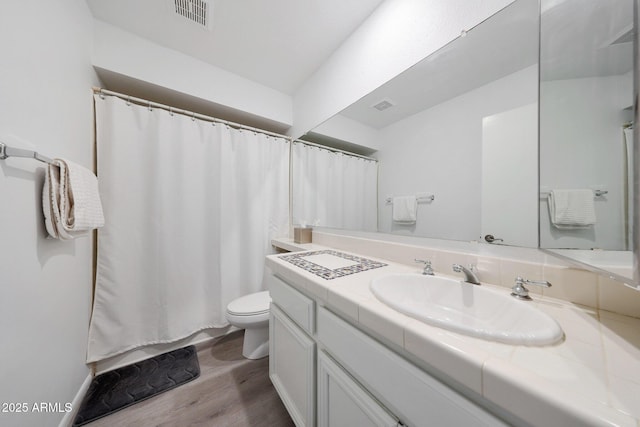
337, 150
192, 114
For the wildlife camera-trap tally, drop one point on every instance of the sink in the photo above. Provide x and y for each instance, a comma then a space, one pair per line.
469, 309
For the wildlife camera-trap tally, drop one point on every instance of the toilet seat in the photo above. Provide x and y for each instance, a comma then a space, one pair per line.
250, 305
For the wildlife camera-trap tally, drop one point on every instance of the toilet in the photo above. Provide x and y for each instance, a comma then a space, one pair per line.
251, 313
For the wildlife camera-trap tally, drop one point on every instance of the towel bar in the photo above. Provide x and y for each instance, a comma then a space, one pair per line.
596, 193
427, 198
6, 151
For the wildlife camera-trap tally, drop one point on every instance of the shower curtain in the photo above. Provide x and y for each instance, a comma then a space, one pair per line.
334, 189
190, 208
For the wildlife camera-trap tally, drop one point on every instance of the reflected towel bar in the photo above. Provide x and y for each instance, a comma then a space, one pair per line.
6, 151
596, 193
420, 198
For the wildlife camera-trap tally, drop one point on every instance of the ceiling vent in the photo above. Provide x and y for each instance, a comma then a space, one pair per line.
197, 11
383, 104
626, 37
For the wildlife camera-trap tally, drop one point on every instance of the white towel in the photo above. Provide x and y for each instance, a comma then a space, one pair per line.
405, 209
70, 200
572, 208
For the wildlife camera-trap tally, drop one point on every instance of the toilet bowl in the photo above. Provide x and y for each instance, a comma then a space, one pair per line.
251, 313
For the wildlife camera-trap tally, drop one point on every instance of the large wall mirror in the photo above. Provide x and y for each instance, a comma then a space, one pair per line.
460, 126
586, 132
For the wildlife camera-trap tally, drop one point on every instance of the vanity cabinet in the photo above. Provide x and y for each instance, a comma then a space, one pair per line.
360, 382
343, 402
292, 352
414, 396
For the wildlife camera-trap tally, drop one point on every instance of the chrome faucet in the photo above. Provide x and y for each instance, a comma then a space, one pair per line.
520, 292
469, 275
428, 270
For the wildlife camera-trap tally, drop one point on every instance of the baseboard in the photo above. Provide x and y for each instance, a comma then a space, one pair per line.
68, 418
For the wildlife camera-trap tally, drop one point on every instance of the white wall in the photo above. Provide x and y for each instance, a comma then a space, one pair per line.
438, 151
581, 147
396, 36
46, 99
129, 55
347, 129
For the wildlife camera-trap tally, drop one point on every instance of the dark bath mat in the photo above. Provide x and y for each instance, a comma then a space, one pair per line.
122, 387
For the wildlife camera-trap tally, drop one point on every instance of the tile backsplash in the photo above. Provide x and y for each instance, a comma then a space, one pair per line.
321, 263
568, 283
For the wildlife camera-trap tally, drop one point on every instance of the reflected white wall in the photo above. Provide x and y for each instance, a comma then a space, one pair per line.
582, 147
439, 150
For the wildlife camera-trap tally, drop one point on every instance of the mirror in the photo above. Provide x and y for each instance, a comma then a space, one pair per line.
586, 132
460, 126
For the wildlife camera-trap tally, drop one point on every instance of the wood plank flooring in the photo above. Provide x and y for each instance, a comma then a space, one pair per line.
231, 392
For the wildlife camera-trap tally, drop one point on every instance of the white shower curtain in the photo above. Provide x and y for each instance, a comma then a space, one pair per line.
334, 189
190, 208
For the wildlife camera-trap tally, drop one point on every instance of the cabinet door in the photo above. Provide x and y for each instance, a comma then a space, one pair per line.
343, 402
292, 367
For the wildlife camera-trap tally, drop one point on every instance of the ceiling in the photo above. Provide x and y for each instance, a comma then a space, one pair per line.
569, 51
277, 43
509, 38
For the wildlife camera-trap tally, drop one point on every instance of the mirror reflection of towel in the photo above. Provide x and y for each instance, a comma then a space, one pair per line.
572, 208
405, 209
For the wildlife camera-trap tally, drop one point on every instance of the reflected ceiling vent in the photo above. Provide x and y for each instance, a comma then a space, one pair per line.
383, 104
625, 35
197, 11
624, 38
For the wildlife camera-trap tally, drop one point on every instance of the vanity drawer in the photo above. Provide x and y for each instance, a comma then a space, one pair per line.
414, 396
300, 308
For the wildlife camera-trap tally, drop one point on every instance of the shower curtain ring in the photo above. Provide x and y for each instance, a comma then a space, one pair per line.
193, 116
171, 111
128, 101
149, 105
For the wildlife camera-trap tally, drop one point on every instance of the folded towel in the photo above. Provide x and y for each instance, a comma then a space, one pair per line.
405, 209
70, 200
571, 208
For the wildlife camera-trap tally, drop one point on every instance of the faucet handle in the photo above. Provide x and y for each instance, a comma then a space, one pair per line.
542, 283
521, 292
428, 270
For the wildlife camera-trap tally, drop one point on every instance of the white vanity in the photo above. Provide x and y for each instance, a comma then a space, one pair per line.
324, 367
340, 357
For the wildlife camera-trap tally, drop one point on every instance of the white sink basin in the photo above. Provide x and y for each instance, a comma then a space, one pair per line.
468, 309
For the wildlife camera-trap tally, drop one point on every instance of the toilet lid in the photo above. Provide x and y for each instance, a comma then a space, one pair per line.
248, 305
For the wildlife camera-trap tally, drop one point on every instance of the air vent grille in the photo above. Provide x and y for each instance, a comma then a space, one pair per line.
197, 11
627, 37
383, 104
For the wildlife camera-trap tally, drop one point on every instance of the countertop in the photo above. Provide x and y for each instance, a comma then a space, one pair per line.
591, 378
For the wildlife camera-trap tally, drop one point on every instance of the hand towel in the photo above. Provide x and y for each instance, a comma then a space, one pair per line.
70, 200
405, 209
572, 208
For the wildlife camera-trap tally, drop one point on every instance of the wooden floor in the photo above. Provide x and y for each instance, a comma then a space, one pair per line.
231, 392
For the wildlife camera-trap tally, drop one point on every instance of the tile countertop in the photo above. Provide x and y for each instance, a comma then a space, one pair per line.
591, 378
